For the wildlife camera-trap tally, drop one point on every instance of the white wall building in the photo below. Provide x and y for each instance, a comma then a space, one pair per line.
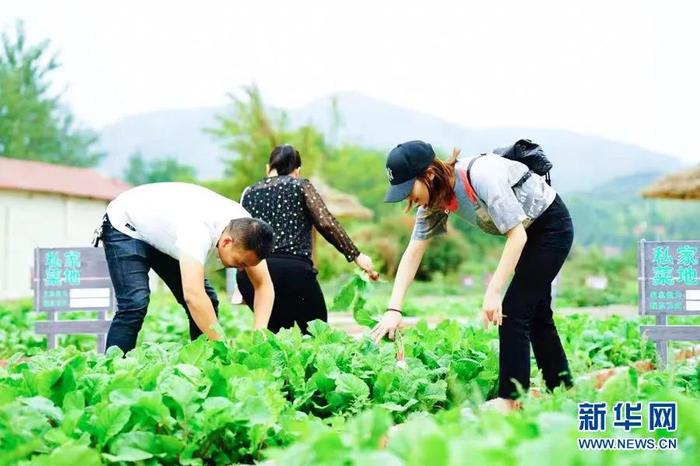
45, 205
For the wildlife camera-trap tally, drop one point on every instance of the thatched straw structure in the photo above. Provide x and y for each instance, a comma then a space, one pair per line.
341, 205
680, 185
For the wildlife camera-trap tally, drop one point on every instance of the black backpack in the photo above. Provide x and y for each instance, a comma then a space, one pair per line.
527, 152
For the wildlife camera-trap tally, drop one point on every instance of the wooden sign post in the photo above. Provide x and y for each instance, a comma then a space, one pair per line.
669, 286
72, 279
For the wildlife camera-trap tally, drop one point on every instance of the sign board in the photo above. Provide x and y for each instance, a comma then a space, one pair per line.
72, 279
669, 285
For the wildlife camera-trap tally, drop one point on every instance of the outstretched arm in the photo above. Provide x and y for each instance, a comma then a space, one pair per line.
264, 294
198, 302
410, 260
492, 309
326, 223
333, 232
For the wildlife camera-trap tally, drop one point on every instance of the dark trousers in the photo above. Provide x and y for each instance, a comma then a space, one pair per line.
527, 305
129, 261
298, 296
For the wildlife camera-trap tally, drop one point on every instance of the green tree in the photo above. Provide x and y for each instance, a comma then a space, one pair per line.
139, 171
250, 131
34, 124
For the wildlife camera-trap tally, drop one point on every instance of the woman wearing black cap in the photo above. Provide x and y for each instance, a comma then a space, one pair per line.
292, 205
501, 197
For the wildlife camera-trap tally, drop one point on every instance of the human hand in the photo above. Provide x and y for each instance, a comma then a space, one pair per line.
388, 325
492, 309
364, 262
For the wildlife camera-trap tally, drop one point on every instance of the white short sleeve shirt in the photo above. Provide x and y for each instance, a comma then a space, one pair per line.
178, 219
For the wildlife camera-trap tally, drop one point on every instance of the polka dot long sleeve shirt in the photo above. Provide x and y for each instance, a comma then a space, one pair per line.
292, 206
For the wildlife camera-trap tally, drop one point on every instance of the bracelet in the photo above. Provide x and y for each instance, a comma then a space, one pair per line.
395, 310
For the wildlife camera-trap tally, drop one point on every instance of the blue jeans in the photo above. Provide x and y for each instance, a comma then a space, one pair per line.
129, 261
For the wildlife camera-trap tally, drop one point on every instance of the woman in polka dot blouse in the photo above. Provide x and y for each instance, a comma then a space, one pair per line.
292, 206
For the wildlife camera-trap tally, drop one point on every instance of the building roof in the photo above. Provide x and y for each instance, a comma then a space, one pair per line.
680, 185
340, 204
27, 175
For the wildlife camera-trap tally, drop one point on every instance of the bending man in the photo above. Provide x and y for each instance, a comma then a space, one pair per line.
181, 231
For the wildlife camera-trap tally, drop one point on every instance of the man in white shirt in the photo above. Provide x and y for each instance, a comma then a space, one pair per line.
181, 231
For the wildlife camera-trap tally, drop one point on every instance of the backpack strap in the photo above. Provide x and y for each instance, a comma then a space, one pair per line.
523, 179
466, 181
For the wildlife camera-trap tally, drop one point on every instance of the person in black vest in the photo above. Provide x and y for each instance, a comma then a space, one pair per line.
501, 197
292, 206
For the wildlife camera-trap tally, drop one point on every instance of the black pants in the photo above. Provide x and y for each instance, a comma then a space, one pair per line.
298, 296
129, 261
527, 305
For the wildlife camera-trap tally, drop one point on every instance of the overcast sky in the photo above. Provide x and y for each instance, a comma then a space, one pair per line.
627, 70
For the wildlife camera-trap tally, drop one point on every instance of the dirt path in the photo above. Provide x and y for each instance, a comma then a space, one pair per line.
622, 310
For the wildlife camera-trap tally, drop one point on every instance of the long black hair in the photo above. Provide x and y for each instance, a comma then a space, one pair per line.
285, 159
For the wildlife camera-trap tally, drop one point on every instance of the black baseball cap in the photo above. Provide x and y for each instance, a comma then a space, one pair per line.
403, 164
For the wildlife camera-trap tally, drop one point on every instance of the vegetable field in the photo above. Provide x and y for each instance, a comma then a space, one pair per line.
324, 399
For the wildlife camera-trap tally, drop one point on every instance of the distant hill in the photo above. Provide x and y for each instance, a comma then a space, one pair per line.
176, 133
615, 214
581, 161
624, 187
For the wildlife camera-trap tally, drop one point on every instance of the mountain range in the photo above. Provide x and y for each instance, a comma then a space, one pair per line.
582, 162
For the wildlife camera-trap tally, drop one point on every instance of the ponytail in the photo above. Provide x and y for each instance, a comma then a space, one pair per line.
285, 159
